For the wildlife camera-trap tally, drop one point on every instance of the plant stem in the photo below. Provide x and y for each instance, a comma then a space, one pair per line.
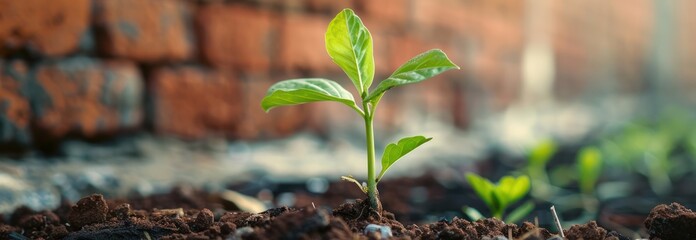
372, 193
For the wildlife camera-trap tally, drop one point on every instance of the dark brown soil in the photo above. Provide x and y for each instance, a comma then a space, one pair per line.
672, 221
93, 217
591, 231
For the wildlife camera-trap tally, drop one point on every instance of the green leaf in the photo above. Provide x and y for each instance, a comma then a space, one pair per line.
513, 189
541, 153
394, 151
419, 68
299, 91
349, 44
589, 168
483, 188
520, 212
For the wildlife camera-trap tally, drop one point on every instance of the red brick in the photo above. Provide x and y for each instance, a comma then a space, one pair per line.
498, 75
436, 16
143, 30
51, 28
15, 111
403, 48
235, 36
395, 13
302, 45
331, 7
193, 103
279, 122
86, 97
381, 48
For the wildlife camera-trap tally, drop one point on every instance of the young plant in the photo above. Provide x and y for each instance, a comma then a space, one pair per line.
498, 197
349, 45
589, 168
537, 159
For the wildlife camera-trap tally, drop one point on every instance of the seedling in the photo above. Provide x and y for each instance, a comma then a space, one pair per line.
589, 165
498, 197
538, 157
349, 45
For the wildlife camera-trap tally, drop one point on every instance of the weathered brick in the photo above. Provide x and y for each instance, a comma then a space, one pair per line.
281, 121
436, 16
192, 102
15, 111
143, 30
51, 28
393, 13
403, 48
331, 7
85, 97
235, 36
302, 44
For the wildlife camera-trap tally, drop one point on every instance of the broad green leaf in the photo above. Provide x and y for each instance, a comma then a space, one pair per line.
299, 91
541, 153
395, 151
513, 189
483, 187
419, 68
349, 44
589, 168
520, 212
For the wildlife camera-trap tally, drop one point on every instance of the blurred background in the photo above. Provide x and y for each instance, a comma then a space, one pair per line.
133, 96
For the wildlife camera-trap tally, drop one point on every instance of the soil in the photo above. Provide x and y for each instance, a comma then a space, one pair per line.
93, 217
186, 213
672, 221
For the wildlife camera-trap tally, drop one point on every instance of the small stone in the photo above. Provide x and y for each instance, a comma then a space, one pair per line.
203, 221
385, 231
556, 237
89, 210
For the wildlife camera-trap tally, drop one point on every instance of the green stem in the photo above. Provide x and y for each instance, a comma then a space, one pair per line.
498, 213
372, 193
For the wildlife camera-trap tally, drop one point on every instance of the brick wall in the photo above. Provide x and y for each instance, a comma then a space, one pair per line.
192, 69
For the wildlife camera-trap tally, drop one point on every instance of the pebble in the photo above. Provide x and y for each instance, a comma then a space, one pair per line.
385, 231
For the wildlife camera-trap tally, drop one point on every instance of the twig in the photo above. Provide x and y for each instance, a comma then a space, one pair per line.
558, 222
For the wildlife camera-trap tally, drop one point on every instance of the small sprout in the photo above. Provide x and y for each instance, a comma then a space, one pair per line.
349, 44
589, 169
540, 154
498, 197
537, 159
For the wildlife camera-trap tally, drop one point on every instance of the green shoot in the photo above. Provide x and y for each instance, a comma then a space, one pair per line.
540, 154
498, 197
538, 157
349, 44
589, 169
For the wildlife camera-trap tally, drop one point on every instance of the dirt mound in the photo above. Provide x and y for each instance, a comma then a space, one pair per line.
672, 221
